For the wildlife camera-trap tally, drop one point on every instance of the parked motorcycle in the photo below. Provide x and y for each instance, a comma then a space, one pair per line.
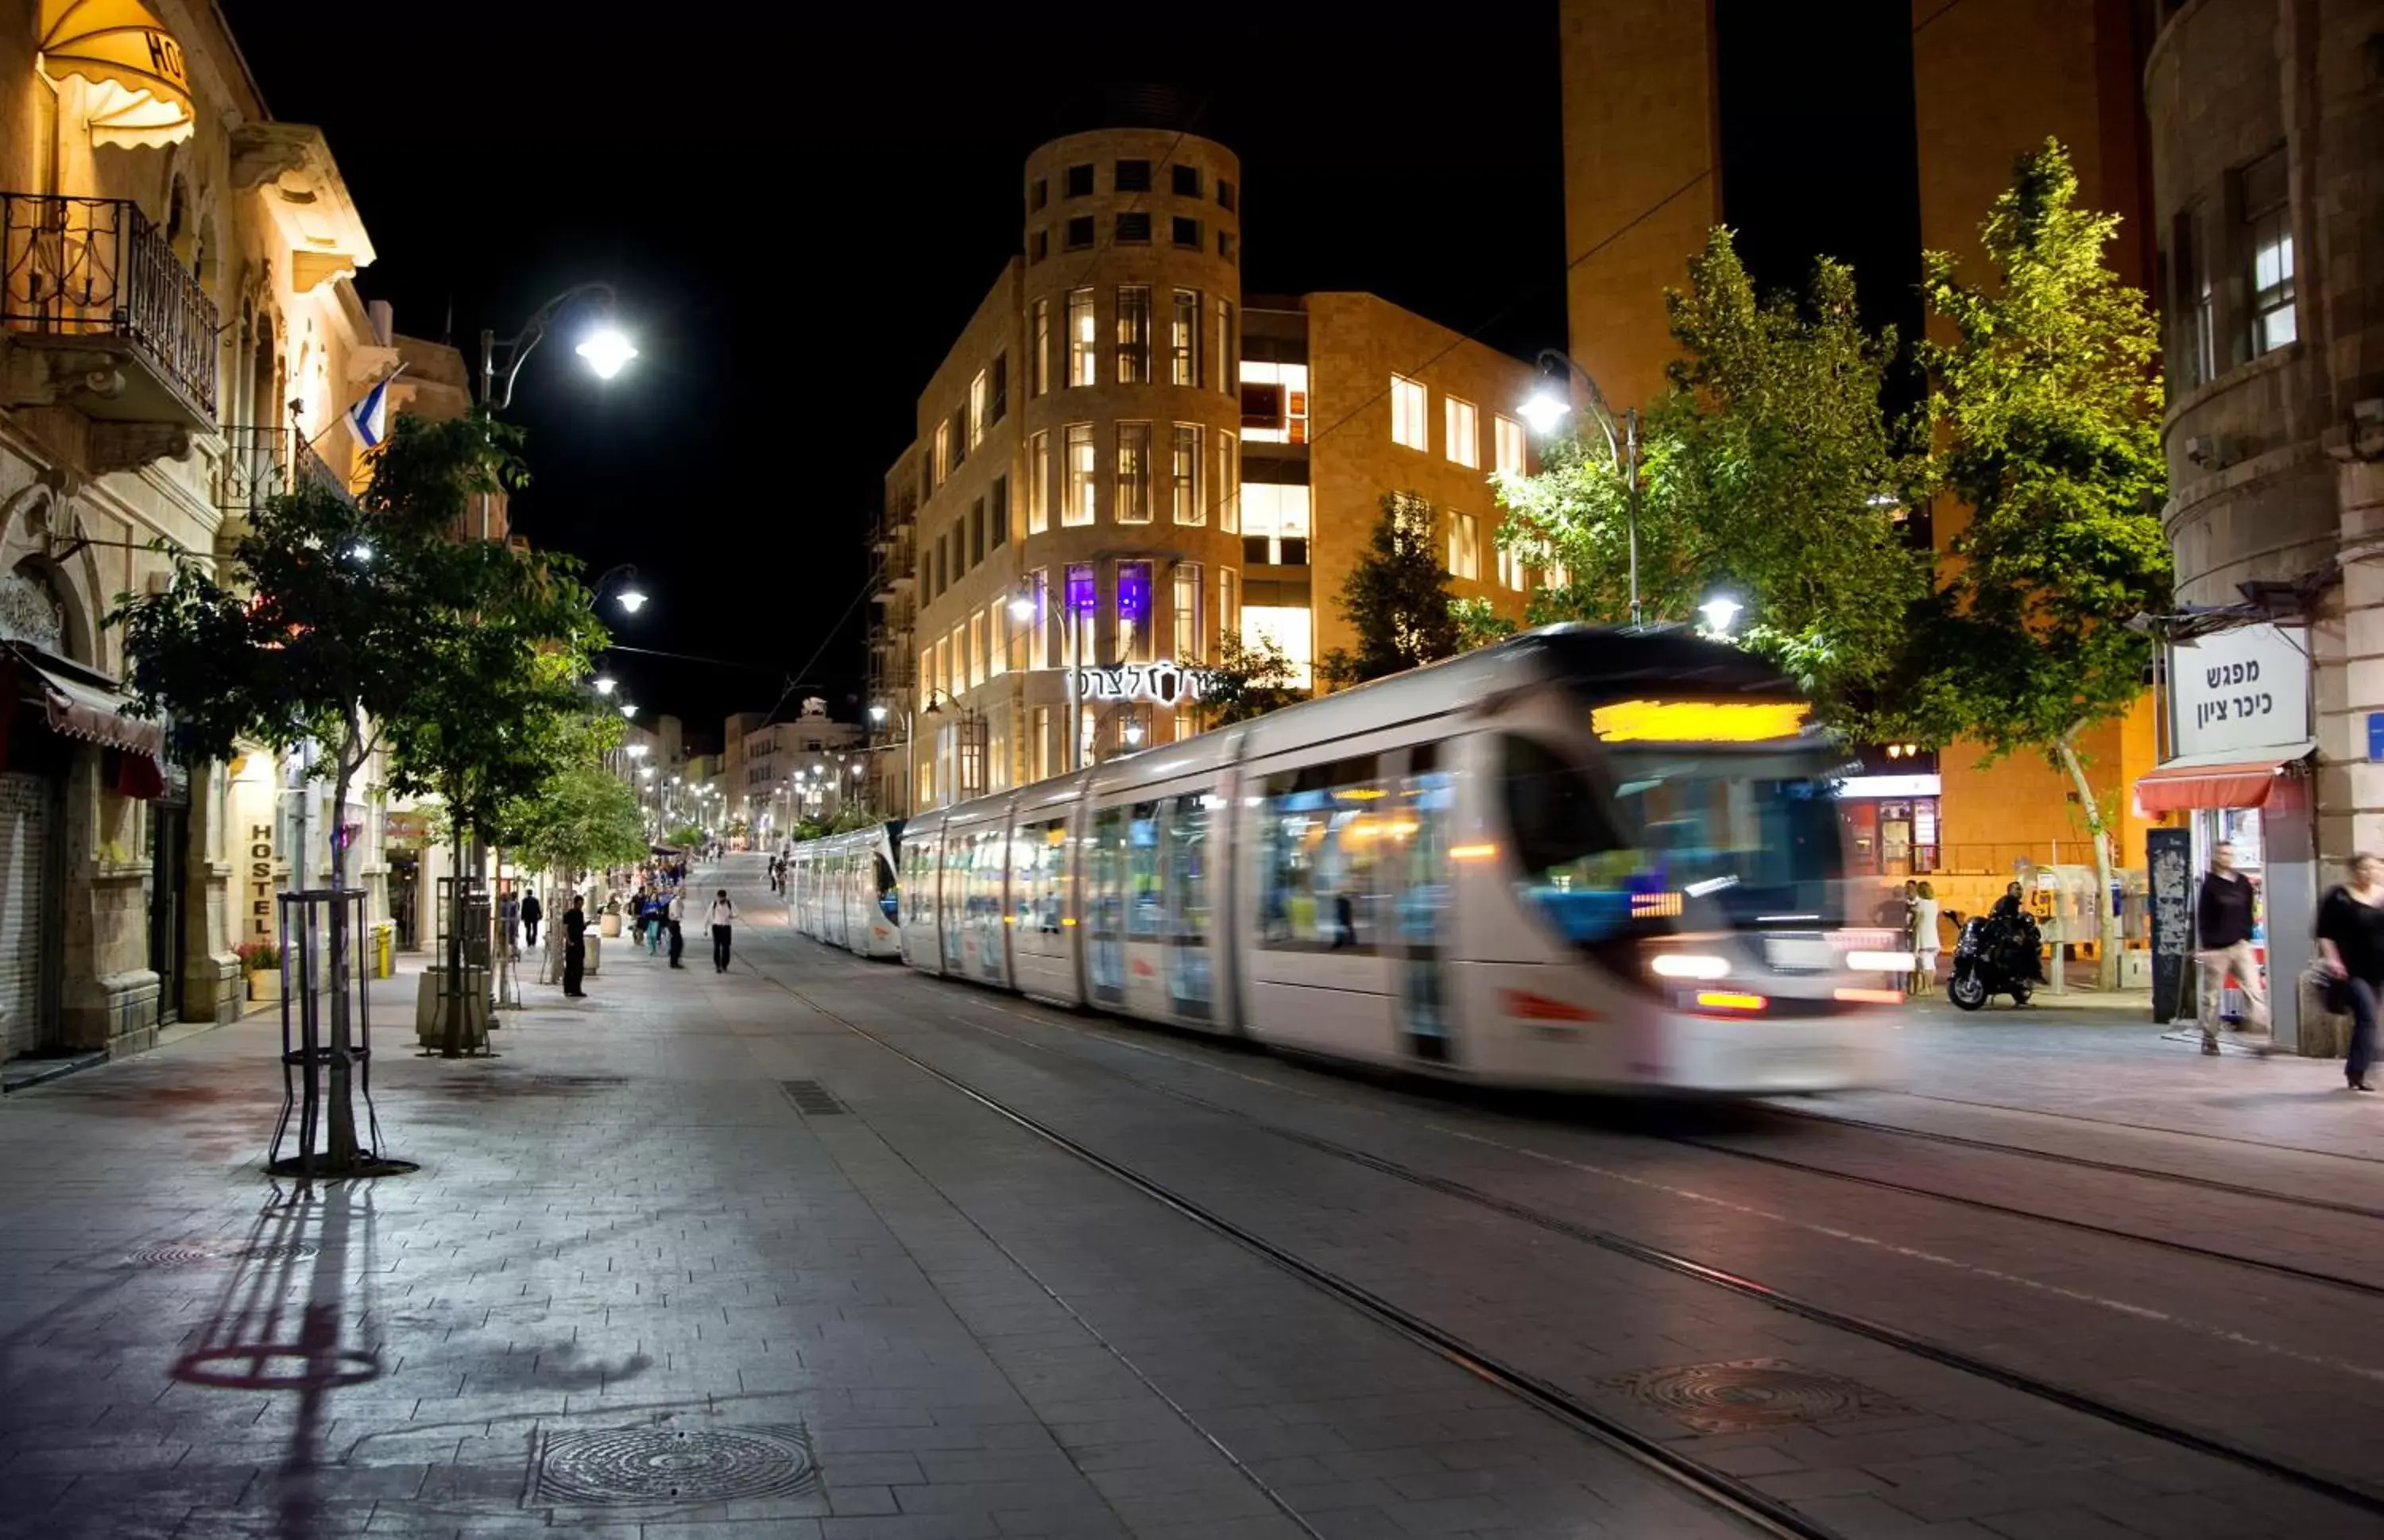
1996, 954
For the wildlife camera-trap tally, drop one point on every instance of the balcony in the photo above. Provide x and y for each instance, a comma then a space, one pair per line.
261, 463
101, 317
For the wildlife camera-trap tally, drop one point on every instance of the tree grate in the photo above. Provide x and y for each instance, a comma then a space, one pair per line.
811, 1098
612, 1467
1742, 1395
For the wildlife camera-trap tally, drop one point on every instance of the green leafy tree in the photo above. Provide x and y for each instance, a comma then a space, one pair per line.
317, 638
1247, 680
579, 819
1478, 624
1396, 597
2047, 405
686, 837
1769, 469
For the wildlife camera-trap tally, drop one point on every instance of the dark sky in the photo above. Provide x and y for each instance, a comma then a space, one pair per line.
802, 204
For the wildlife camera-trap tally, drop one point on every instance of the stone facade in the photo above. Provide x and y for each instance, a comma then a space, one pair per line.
2267, 118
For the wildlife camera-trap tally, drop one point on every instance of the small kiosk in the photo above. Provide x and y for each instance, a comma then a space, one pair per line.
2240, 730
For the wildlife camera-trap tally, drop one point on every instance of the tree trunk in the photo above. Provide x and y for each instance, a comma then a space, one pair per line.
341, 1149
451, 1044
2106, 966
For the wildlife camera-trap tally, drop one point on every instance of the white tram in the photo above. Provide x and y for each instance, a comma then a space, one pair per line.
840, 890
1578, 858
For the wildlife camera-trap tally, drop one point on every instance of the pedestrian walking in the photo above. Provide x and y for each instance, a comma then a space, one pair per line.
723, 915
657, 921
2222, 924
532, 912
678, 936
509, 913
2351, 935
637, 916
574, 950
1924, 938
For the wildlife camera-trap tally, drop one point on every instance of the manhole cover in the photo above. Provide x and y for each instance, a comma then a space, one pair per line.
1752, 1393
673, 1465
810, 1097
172, 1256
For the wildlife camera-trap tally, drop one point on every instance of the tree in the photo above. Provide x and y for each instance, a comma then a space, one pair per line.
1767, 468
686, 837
1396, 597
579, 819
2047, 406
1247, 680
319, 637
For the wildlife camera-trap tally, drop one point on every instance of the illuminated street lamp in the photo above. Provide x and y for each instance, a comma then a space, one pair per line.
1546, 409
1720, 611
607, 349
607, 684
629, 708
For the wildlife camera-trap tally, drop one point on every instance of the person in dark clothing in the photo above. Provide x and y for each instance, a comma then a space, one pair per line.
723, 915
574, 950
674, 917
2222, 923
2351, 936
532, 912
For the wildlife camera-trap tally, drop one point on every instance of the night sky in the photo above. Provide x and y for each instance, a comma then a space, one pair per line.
801, 208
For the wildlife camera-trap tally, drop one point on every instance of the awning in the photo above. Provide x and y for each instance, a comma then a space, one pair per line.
141, 87
2234, 780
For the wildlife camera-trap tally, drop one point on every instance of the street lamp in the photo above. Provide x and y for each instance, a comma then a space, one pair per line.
629, 708
1720, 613
630, 596
607, 349
1546, 409
607, 684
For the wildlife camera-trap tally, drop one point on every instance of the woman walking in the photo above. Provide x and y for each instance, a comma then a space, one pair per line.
2351, 935
1924, 940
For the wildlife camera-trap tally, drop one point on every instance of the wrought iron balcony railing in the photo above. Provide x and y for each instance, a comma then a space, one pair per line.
97, 269
261, 463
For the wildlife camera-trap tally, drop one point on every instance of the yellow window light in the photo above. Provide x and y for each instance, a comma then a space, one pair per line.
1473, 853
1698, 721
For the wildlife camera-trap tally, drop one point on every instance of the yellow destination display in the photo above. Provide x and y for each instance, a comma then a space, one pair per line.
1698, 721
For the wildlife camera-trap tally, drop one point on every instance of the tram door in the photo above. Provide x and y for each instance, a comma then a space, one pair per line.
1190, 978
1105, 911
1416, 833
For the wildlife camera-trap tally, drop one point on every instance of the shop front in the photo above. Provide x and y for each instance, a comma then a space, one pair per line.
2239, 775
1889, 810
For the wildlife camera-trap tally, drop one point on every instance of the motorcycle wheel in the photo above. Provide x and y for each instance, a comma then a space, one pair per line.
2020, 993
1967, 991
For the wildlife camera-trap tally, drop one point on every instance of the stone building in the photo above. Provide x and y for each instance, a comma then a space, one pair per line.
1119, 462
2267, 177
179, 339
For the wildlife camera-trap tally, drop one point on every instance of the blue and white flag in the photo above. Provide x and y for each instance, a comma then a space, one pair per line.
368, 420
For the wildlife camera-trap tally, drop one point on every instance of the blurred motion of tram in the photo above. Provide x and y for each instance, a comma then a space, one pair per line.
1578, 858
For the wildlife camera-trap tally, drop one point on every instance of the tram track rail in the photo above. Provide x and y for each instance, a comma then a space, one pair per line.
1554, 1399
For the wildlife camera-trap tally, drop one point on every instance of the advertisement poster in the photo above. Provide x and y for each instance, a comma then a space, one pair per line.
2168, 856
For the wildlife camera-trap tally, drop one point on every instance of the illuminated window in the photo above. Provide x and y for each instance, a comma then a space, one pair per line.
1185, 233
1511, 574
1190, 644
1184, 475
1134, 228
1406, 413
1184, 339
1041, 384
1133, 505
976, 651
1274, 403
1134, 617
1507, 444
1185, 181
980, 401
1274, 524
1133, 334
2268, 221
960, 660
1228, 492
1045, 760
1287, 627
1038, 483
1080, 181
1228, 372
1461, 428
1081, 488
1083, 352
1464, 546
927, 674
942, 457
997, 634
1084, 610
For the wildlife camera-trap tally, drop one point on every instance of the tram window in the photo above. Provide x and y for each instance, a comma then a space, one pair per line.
1043, 876
1320, 888
889, 891
1107, 897
1142, 870
1187, 868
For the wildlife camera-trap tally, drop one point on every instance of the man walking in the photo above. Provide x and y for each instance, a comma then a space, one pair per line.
2222, 920
574, 950
676, 912
509, 913
723, 915
532, 912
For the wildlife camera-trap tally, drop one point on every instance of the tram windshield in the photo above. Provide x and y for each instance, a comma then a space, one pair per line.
1662, 835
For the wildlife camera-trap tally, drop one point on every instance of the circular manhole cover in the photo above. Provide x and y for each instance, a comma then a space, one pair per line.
172, 1256
666, 1465
1754, 1393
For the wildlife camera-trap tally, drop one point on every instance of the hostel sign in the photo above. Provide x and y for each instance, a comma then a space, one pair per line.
1163, 682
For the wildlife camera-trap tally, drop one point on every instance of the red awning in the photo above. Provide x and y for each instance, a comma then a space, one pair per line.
79, 702
2243, 784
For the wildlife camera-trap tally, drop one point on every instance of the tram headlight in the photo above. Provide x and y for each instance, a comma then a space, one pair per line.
1879, 962
1688, 964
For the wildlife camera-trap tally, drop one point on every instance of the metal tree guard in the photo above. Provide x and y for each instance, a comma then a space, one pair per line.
466, 920
326, 1042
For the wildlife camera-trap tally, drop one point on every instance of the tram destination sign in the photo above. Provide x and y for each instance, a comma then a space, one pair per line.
1163, 682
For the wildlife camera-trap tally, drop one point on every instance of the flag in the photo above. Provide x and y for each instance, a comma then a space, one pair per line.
368, 420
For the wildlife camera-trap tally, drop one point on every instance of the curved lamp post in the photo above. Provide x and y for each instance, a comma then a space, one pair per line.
1546, 409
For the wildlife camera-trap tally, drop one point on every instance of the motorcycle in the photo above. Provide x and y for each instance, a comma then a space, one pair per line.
1995, 955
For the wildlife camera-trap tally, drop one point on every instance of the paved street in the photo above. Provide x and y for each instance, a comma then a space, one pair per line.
820, 1249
